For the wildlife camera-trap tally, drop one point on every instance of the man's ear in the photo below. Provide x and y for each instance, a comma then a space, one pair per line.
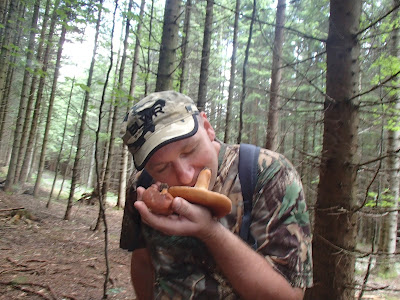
207, 126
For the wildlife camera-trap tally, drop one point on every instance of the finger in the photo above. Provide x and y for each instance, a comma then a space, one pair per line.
181, 207
140, 190
165, 224
190, 211
140, 206
143, 210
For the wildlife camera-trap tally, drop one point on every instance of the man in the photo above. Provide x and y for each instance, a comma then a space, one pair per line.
190, 254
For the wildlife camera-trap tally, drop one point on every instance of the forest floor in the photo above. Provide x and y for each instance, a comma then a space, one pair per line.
44, 257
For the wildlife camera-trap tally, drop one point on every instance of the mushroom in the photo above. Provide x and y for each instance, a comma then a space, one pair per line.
220, 205
158, 202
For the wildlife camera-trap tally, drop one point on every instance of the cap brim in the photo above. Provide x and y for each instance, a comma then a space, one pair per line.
184, 128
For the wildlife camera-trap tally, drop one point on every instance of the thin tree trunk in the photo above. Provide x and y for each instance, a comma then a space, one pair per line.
57, 169
335, 220
90, 181
205, 57
101, 184
67, 168
169, 45
135, 62
254, 127
228, 122
75, 169
276, 75
111, 109
147, 76
105, 182
125, 153
244, 76
185, 46
50, 110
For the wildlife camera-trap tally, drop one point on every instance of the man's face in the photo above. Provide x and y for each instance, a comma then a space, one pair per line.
179, 163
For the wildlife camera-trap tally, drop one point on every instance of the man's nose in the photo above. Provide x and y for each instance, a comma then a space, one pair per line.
184, 172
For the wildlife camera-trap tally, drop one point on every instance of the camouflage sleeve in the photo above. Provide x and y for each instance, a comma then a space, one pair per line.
131, 235
281, 223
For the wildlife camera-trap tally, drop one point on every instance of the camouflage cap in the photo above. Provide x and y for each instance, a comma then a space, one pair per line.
157, 120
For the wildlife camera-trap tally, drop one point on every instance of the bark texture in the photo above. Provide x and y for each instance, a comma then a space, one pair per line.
205, 57
276, 75
228, 122
169, 45
335, 220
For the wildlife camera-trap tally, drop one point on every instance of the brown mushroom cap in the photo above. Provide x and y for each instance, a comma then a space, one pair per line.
220, 205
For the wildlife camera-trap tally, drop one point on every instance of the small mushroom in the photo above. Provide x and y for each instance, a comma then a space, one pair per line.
158, 202
220, 205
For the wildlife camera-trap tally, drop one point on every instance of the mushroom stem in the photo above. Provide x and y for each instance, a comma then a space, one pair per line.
203, 180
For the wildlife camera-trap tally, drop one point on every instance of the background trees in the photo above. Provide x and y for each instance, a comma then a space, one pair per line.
349, 168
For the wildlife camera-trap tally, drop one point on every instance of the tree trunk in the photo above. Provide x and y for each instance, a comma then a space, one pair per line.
67, 168
169, 45
135, 62
5, 143
244, 76
205, 57
76, 170
4, 7
26, 102
335, 220
185, 44
50, 110
389, 221
147, 74
30, 126
228, 122
7, 63
125, 154
102, 185
14, 164
90, 183
107, 173
6, 40
276, 75
58, 161
254, 125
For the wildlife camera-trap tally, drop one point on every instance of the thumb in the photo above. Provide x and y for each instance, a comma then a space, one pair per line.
180, 206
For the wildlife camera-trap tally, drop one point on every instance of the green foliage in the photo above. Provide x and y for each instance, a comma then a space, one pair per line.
114, 291
386, 65
385, 199
388, 273
84, 87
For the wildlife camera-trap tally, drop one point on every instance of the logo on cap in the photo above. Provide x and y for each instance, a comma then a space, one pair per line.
145, 123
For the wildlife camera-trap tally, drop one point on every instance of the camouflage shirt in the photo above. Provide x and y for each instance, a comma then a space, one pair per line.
280, 224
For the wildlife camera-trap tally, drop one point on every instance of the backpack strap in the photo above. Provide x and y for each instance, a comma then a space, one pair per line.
248, 165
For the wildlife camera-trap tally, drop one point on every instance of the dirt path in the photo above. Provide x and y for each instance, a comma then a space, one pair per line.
44, 257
